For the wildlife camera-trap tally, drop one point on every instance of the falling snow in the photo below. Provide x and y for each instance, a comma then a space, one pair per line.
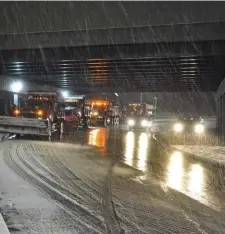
126, 182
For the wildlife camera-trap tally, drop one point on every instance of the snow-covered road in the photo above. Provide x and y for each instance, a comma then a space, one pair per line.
99, 194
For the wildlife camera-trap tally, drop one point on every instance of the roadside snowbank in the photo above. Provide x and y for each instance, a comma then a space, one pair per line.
213, 154
24, 208
3, 227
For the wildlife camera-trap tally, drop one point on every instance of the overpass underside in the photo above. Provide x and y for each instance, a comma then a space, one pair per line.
148, 67
114, 46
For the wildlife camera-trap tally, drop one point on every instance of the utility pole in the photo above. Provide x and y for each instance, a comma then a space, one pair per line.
141, 97
155, 105
117, 98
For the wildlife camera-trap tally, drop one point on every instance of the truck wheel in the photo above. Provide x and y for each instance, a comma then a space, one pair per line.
105, 122
117, 121
61, 130
78, 123
88, 123
49, 127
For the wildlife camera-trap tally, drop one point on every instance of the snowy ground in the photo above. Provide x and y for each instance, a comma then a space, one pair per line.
99, 194
26, 209
213, 154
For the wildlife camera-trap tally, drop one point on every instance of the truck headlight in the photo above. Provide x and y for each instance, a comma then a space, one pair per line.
16, 112
199, 128
40, 113
178, 127
131, 122
144, 123
94, 113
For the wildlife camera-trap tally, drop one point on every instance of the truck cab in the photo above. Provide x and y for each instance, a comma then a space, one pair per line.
37, 105
139, 116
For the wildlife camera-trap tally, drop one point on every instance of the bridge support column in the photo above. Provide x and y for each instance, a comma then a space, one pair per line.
220, 115
16, 99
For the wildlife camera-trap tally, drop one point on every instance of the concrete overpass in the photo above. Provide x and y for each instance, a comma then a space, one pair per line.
47, 24
131, 46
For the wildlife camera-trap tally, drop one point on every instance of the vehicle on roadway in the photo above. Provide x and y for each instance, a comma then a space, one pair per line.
188, 124
70, 112
39, 115
142, 122
37, 104
140, 117
99, 112
188, 129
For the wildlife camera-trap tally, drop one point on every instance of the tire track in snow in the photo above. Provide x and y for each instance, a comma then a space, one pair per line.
124, 221
92, 223
68, 176
196, 224
112, 221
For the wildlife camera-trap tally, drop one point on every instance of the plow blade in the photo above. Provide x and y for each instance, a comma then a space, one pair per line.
26, 126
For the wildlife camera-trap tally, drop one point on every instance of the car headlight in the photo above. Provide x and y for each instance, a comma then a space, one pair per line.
144, 123
199, 128
131, 122
178, 127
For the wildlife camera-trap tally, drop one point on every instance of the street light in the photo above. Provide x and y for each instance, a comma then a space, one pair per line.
16, 86
117, 97
65, 94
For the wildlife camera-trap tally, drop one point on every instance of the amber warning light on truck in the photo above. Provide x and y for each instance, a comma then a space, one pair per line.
42, 98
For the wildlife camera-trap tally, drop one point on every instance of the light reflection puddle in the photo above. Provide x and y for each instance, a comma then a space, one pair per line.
137, 159
177, 176
98, 138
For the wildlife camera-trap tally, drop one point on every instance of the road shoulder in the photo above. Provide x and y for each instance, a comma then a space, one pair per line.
211, 154
3, 226
24, 208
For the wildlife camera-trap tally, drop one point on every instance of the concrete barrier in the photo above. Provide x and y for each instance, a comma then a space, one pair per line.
3, 227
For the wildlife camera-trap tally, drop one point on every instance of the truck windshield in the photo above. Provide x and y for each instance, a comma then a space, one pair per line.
35, 104
68, 113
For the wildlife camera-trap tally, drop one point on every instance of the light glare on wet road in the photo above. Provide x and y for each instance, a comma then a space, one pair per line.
129, 149
143, 152
175, 171
98, 137
196, 181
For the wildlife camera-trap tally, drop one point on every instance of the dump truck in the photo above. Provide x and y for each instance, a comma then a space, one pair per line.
70, 111
37, 115
38, 105
139, 116
97, 112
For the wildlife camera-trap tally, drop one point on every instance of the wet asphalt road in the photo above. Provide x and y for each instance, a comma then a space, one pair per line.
175, 193
161, 164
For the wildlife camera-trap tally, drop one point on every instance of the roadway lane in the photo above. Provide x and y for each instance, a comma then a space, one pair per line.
169, 177
162, 165
134, 184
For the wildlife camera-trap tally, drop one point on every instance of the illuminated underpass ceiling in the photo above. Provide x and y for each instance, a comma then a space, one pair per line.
138, 74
